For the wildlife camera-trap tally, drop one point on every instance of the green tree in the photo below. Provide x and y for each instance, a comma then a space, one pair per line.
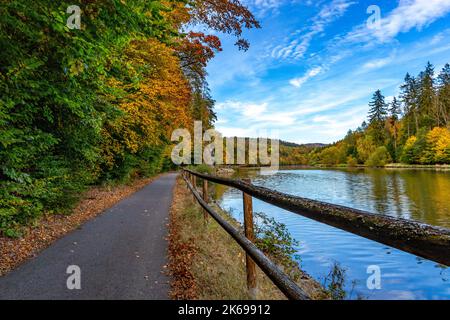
427, 98
365, 146
377, 116
330, 156
379, 158
409, 96
351, 161
443, 105
394, 126
395, 109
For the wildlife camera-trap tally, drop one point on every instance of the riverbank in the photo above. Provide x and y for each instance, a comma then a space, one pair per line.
438, 167
206, 263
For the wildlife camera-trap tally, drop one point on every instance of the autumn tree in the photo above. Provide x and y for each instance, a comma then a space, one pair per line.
227, 16
437, 148
196, 49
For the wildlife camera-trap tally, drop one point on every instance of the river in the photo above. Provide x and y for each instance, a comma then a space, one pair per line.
421, 195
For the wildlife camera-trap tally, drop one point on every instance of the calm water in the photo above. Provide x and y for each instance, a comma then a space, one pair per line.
411, 194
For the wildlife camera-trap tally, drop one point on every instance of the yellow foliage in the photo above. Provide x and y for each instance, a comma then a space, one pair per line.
438, 145
410, 142
156, 101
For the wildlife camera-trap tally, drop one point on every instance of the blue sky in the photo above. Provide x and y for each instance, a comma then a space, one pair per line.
313, 67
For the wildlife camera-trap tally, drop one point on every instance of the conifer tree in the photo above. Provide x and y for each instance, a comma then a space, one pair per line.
393, 124
395, 109
409, 97
427, 105
377, 116
443, 104
378, 108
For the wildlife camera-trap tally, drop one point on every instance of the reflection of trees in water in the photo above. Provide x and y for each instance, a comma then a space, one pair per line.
397, 191
357, 191
428, 194
411, 194
380, 190
218, 190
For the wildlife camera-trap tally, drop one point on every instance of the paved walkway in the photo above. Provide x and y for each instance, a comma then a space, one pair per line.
120, 254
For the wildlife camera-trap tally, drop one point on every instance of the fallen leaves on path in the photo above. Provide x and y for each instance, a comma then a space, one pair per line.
181, 254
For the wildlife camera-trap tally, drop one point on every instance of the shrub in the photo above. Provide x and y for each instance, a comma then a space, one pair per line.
379, 158
351, 161
274, 240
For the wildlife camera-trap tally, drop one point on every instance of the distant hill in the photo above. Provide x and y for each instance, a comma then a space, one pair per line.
295, 145
307, 145
293, 153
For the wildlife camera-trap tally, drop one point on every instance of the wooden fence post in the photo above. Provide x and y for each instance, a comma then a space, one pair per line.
193, 185
205, 198
249, 233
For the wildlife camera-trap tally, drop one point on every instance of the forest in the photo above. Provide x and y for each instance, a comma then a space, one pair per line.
97, 104
413, 128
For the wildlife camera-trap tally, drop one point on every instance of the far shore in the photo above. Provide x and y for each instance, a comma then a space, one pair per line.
439, 167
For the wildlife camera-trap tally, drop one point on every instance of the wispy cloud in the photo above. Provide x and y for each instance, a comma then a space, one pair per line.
375, 64
300, 43
298, 82
262, 7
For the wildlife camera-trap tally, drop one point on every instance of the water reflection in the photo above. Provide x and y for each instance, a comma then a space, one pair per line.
411, 194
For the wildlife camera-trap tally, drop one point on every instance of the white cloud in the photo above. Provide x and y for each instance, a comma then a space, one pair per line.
244, 108
251, 112
298, 82
254, 110
377, 63
410, 14
324, 110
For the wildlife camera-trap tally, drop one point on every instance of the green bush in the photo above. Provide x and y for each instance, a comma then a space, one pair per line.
274, 239
379, 158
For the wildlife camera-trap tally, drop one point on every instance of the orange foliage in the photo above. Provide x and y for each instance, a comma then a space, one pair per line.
156, 103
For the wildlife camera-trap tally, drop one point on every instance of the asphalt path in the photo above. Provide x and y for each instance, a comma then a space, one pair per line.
120, 254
